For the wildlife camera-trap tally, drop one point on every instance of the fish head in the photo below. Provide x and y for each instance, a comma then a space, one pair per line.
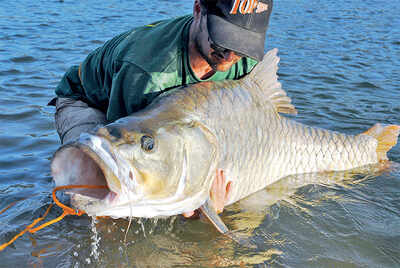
150, 169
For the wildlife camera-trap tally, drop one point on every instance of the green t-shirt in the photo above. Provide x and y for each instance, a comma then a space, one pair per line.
130, 70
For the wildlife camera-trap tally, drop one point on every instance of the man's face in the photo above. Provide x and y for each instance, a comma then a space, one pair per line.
218, 58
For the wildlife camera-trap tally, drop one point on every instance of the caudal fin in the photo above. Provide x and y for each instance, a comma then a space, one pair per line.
386, 136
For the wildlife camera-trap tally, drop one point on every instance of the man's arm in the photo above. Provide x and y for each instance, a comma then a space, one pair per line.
74, 114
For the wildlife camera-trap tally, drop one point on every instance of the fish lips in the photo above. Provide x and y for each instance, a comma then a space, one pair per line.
101, 152
87, 161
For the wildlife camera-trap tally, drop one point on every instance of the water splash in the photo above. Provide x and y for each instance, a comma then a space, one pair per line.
95, 240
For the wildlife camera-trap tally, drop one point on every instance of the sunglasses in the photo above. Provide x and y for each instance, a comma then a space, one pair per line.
222, 50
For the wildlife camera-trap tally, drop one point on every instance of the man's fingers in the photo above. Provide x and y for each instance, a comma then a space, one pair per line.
222, 177
188, 214
220, 190
228, 191
219, 193
219, 178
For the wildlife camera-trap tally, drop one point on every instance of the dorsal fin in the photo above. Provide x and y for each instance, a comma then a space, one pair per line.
265, 76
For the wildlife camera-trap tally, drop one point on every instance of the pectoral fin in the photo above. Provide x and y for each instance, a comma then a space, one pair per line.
208, 210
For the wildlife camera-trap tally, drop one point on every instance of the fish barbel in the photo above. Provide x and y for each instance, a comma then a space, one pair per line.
161, 160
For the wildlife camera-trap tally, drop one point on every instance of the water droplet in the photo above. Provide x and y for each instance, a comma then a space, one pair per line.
95, 240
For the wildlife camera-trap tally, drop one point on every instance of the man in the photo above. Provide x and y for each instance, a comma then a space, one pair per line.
223, 39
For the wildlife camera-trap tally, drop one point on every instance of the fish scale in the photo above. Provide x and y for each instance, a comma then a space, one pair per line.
330, 147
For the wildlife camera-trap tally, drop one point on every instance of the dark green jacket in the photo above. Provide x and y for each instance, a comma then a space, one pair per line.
130, 70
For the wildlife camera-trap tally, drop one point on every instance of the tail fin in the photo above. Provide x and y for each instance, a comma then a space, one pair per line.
265, 76
387, 138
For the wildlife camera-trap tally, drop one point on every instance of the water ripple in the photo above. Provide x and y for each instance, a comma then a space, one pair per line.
339, 64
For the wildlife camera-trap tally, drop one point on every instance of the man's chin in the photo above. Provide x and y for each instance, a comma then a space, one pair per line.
220, 65
223, 67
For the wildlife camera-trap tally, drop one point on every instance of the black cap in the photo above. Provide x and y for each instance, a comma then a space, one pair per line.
239, 25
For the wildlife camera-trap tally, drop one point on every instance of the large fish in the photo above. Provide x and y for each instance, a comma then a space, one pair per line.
161, 161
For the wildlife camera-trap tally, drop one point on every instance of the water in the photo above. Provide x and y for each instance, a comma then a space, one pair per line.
340, 63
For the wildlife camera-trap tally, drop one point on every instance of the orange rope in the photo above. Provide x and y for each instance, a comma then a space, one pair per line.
26, 229
66, 211
10, 205
13, 203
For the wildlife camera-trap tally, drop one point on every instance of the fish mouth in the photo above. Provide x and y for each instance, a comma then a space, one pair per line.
86, 163
91, 161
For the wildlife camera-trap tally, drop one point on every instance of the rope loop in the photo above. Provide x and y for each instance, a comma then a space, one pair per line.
66, 211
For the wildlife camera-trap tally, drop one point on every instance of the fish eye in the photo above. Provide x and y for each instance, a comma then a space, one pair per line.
147, 143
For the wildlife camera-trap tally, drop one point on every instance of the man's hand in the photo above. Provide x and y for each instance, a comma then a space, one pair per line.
219, 193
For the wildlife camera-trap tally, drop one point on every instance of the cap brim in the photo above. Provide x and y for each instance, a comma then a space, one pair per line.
235, 38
